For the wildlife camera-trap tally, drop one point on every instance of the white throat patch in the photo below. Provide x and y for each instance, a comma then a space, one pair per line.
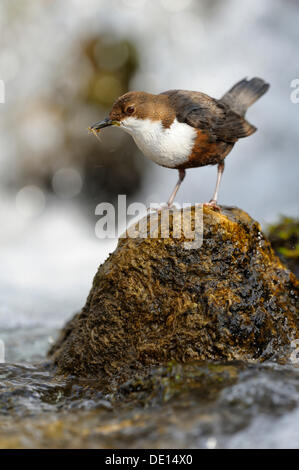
168, 147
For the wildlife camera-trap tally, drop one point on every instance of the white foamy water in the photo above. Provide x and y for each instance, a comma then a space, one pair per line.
47, 266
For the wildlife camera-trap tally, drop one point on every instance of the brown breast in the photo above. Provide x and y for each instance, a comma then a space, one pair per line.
207, 151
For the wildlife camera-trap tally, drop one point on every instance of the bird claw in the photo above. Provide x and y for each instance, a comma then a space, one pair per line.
162, 206
213, 205
158, 208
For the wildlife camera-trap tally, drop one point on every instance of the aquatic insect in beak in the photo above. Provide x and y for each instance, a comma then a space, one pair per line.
95, 128
95, 133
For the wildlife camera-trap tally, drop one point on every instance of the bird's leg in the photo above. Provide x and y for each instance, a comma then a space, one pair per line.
182, 174
219, 176
213, 201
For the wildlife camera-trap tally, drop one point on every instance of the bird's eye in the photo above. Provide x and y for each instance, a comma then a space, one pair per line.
130, 110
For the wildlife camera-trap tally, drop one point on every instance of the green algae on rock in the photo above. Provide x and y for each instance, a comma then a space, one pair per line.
154, 301
199, 382
284, 238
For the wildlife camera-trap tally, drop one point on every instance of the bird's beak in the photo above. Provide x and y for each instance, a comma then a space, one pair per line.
105, 123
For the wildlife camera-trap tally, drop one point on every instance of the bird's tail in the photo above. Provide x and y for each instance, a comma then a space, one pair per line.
244, 93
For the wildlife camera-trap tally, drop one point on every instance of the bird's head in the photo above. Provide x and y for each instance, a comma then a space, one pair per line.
132, 109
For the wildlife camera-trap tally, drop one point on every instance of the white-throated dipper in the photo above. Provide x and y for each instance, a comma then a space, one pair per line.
186, 129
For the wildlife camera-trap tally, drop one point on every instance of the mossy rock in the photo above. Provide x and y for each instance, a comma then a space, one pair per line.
154, 301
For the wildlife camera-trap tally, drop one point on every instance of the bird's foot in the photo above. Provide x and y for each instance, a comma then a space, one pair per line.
158, 207
213, 205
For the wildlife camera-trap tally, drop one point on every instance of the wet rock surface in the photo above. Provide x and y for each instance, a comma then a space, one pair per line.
204, 405
155, 301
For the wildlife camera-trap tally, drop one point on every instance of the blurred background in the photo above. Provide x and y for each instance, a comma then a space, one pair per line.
63, 65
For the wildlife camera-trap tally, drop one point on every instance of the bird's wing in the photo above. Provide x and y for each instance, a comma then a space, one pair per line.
208, 114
